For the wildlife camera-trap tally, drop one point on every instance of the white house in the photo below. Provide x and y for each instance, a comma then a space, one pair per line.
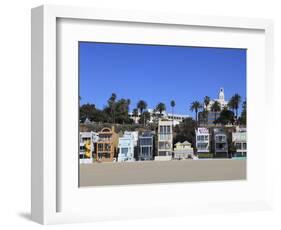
239, 138
177, 118
126, 147
87, 142
202, 140
135, 136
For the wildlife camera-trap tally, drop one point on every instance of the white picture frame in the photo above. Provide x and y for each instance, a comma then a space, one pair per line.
55, 197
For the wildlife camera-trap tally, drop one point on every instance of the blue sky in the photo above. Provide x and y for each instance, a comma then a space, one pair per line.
159, 73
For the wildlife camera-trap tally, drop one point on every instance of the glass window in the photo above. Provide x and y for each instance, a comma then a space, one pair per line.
168, 129
220, 138
107, 147
238, 146
202, 146
244, 145
146, 151
100, 147
145, 141
124, 151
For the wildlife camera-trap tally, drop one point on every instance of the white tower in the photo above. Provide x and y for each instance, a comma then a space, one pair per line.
221, 94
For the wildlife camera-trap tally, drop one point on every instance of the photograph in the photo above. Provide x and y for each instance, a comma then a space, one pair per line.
152, 113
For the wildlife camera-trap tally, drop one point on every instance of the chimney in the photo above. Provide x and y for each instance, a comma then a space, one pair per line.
113, 128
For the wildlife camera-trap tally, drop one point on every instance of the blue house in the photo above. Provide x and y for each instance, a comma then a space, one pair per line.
220, 144
145, 146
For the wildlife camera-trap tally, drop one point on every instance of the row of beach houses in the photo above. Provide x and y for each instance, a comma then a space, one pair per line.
108, 146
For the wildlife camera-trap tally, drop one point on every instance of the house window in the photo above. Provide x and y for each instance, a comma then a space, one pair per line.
124, 151
100, 147
163, 145
221, 138
146, 141
220, 146
145, 151
238, 146
107, 147
202, 146
244, 145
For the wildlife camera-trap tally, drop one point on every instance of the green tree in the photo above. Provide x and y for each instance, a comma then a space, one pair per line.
122, 111
216, 108
185, 131
243, 117
141, 105
144, 117
173, 104
135, 112
92, 113
207, 100
195, 106
226, 117
234, 103
87, 111
112, 104
160, 108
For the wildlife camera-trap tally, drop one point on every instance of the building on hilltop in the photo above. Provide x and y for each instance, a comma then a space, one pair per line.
177, 118
208, 118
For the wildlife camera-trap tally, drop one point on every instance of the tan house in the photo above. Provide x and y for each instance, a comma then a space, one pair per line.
165, 140
107, 145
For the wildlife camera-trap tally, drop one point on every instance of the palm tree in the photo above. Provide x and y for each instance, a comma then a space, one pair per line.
135, 112
195, 106
235, 102
111, 103
173, 104
206, 103
160, 108
230, 105
216, 108
142, 105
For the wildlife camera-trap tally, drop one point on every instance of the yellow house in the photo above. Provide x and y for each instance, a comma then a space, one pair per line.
183, 150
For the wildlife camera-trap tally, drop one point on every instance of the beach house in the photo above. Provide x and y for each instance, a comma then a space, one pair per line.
183, 150
239, 139
202, 136
107, 145
165, 140
126, 147
220, 145
87, 142
145, 146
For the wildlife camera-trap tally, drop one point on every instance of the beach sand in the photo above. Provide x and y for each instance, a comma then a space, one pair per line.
147, 172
